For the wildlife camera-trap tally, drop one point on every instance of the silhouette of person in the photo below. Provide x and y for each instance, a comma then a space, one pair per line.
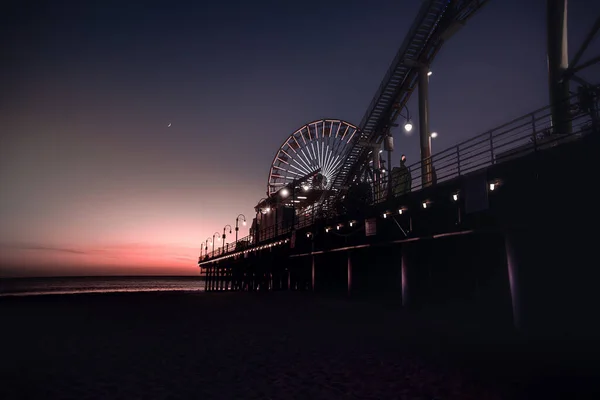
401, 179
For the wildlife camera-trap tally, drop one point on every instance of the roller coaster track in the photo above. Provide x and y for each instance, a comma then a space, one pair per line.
436, 21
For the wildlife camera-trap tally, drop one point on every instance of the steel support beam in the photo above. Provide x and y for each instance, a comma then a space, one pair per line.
406, 266
512, 261
425, 139
585, 44
349, 274
313, 273
558, 64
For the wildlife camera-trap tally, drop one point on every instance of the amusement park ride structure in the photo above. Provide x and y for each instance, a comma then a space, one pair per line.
341, 150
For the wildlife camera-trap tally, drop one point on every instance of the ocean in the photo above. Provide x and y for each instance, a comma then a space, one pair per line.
73, 285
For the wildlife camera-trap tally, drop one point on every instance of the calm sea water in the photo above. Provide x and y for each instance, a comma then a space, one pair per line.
72, 285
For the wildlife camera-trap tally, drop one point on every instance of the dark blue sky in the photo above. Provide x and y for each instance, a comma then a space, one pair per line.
87, 160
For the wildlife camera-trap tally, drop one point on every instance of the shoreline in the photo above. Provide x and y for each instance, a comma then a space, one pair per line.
96, 292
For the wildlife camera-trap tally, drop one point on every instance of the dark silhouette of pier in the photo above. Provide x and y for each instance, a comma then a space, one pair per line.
500, 226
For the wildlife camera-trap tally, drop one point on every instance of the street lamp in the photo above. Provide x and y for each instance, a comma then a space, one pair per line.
432, 135
206, 247
407, 121
293, 205
236, 225
285, 193
260, 210
224, 236
216, 234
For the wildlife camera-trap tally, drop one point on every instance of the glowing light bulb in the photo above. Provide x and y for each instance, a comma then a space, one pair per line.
424, 205
408, 127
455, 197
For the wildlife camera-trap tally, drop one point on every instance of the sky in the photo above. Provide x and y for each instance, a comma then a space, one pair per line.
93, 181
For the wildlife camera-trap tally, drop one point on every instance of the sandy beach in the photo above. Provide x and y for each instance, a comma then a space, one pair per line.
268, 346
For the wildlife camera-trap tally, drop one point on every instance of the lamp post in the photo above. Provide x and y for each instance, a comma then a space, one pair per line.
293, 205
432, 135
261, 211
284, 193
216, 234
206, 247
224, 236
407, 120
236, 225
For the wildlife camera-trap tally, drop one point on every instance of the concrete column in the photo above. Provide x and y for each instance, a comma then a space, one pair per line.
206, 279
425, 140
313, 271
223, 278
406, 266
558, 63
512, 261
209, 279
221, 284
349, 274
215, 277
213, 283
220, 278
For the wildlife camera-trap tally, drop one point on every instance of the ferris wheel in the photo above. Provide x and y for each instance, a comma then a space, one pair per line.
319, 147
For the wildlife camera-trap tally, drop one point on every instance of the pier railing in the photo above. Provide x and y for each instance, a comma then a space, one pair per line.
530, 133
521, 136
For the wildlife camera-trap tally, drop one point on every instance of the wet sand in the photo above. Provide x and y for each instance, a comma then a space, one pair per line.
269, 346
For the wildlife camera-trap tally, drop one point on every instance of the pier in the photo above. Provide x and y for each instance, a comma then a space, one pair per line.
501, 226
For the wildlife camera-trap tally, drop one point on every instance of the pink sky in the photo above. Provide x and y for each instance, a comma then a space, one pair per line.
117, 258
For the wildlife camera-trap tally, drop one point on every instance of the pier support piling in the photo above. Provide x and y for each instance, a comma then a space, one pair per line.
406, 266
349, 274
313, 272
513, 261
